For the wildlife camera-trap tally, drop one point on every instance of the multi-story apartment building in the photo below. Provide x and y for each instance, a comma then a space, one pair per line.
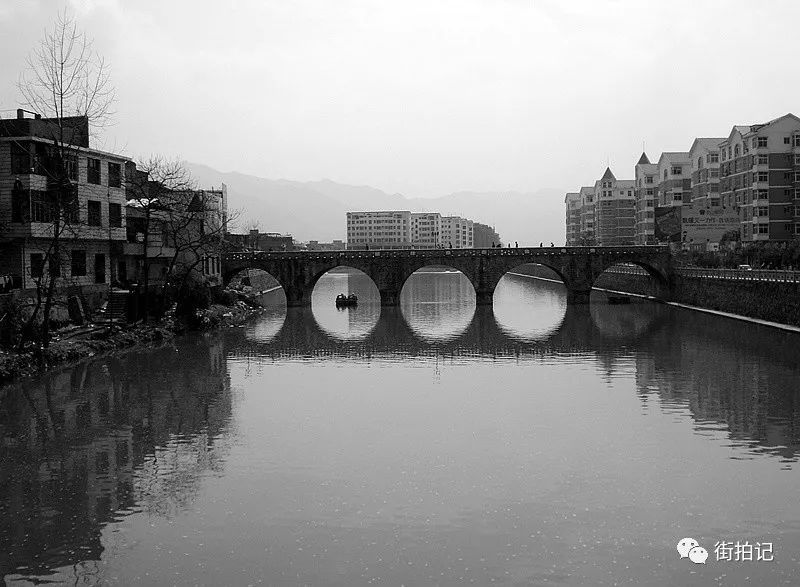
614, 210
674, 179
386, 229
56, 189
760, 177
457, 232
484, 236
573, 219
704, 155
587, 234
426, 228
645, 178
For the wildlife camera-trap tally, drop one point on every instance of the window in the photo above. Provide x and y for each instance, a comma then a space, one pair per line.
115, 215
648, 179
677, 197
762, 176
762, 141
797, 159
787, 140
797, 140
114, 175
649, 191
699, 162
93, 213
677, 170
93, 170
763, 160
665, 174
78, 266
20, 159
754, 142
713, 173
37, 265
762, 194
41, 207
712, 158
736, 150
100, 268
763, 228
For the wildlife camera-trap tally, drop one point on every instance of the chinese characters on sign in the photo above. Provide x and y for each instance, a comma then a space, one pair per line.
739, 551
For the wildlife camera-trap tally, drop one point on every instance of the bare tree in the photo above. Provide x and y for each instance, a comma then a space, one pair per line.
152, 192
181, 226
66, 77
67, 83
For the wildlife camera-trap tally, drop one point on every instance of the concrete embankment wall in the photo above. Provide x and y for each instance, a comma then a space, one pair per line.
772, 301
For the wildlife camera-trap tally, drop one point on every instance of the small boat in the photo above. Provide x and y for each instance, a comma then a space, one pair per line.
619, 299
344, 301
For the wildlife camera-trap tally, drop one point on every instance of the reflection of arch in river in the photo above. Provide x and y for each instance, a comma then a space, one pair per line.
300, 335
347, 323
526, 317
437, 303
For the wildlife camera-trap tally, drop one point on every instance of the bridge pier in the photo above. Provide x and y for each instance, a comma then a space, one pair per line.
390, 297
578, 296
484, 298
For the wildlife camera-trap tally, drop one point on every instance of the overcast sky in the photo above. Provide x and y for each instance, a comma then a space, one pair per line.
427, 97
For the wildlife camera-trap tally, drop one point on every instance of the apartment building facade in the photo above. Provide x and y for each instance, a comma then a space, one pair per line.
614, 210
426, 230
573, 218
645, 180
704, 155
385, 229
55, 188
587, 234
760, 178
457, 232
674, 179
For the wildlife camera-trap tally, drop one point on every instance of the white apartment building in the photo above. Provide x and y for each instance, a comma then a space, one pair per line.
704, 154
426, 230
674, 179
646, 178
384, 229
457, 232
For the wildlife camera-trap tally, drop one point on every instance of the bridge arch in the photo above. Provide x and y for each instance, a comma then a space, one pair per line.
626, 274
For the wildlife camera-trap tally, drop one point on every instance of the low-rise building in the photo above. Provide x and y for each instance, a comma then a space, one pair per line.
261, 241
62, 205
335, 245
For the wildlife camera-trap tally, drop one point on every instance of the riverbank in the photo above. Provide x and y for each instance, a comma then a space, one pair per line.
73, 344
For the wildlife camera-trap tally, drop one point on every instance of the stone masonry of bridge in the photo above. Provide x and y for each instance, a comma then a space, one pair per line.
578, 267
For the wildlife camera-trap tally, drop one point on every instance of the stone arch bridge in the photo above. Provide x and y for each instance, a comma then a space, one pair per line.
578, 267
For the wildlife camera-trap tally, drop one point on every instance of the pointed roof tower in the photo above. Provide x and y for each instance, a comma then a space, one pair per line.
608, 175
643, 159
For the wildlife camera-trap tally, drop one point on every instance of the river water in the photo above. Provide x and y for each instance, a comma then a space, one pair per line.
431, 444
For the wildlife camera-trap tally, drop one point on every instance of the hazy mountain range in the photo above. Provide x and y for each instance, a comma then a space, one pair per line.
316, 209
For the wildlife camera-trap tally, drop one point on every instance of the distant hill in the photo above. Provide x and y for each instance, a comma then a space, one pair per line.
316, 209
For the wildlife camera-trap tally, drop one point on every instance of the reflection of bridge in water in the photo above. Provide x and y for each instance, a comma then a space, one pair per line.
727, 374
578, 331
